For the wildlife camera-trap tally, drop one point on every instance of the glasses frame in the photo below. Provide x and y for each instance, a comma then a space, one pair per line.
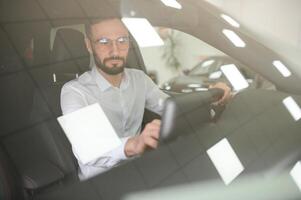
122, 42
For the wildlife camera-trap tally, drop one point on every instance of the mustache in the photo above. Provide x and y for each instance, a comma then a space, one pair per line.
113, 58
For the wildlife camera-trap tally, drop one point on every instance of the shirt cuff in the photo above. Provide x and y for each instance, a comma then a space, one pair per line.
121, 149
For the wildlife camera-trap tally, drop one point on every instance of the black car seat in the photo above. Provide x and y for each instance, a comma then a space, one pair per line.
10, 181
35, 142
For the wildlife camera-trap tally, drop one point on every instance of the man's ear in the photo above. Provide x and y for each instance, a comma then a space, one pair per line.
88, 45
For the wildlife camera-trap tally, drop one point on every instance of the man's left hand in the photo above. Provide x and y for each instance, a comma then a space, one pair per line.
227, 93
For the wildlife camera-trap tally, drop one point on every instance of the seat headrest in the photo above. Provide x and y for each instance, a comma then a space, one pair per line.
69, 44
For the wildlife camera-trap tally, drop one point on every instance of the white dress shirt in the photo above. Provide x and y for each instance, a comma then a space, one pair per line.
124, 107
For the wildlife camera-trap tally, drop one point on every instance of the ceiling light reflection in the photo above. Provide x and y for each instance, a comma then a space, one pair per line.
143, 32
225, 161
194, 85
201, 89
230, 20
167, 87
293, 108
282, 68
186, 90
234, 38
208, 63
54, 77
234, 76
172, 3
215, 75
296, 174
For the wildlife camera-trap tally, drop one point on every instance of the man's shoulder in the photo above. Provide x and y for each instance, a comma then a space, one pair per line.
82, 81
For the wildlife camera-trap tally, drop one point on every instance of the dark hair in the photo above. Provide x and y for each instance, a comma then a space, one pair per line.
96, 21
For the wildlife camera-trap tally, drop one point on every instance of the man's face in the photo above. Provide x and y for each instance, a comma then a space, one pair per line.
109, 44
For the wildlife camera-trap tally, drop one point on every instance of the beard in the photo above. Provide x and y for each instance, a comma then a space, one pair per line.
110, 70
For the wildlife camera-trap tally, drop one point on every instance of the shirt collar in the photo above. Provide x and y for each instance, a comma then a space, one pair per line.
103, 84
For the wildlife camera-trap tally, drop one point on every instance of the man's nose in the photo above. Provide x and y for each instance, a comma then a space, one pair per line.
114, 49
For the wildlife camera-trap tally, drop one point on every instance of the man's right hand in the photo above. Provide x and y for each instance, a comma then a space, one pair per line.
147, 139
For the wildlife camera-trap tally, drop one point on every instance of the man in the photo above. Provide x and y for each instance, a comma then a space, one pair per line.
122, 93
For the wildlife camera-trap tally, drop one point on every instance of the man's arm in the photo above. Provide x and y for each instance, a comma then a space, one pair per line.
72, 99
147, 139
155, 98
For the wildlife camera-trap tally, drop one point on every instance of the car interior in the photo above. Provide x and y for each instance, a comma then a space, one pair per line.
36, 159
37, 162
43, 159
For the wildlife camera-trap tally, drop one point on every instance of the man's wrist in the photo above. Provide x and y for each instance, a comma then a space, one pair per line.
129, 148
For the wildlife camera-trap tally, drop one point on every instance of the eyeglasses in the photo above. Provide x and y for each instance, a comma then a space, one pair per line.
122, 43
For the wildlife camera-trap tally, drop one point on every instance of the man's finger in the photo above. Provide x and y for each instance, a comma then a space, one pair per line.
152, 128
152, 143
156, 121
155, 134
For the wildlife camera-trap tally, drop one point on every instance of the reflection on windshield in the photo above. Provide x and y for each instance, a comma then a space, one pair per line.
215, 75
282, 68
207, 63
225, 161
203, 68
296, 174
234, 38
143, 32
172, 3
234, 76
230, 20
194, 85
293, 108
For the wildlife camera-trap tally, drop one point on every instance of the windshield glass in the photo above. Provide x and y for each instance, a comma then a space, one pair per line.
138, 99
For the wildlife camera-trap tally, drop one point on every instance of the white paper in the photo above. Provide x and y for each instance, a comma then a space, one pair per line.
225, 161
89, 132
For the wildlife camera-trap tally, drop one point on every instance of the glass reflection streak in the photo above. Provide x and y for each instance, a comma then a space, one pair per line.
296, 174
293, 108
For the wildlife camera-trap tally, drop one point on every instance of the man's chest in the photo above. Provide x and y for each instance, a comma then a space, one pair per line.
116, 102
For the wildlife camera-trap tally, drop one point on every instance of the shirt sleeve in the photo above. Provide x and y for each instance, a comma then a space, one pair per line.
71, 100
155, 97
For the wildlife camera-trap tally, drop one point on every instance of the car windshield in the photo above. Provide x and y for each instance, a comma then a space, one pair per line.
204, 67
148, 99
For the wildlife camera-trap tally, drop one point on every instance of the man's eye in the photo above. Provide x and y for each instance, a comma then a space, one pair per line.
103, 41
122, 40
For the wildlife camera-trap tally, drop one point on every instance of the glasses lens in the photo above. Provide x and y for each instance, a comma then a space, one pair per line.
104, 41
121, 42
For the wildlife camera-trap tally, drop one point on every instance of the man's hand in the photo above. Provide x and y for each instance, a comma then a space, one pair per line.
227, 93
147, 139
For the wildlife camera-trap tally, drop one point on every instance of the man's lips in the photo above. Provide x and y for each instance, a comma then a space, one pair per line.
114, 61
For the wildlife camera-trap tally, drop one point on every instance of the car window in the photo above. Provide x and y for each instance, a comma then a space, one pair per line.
204, 67
184, 56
